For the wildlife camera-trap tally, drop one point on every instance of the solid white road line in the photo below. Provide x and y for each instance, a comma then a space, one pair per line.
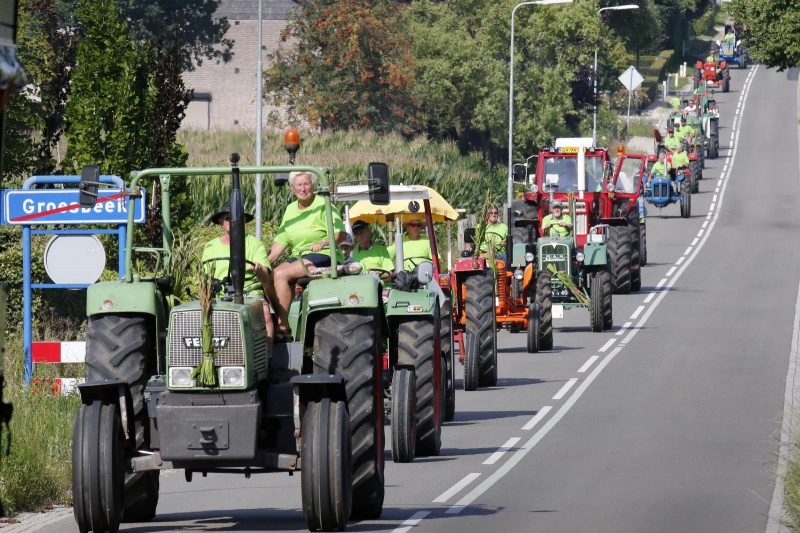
415, 519
455, 489
565, 389
537, 418
586, 366
496, 456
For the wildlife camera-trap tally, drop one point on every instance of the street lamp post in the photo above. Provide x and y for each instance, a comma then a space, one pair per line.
511, 99
259, 110
594, 71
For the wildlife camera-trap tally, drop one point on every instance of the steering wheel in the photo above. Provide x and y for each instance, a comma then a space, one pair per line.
417, 260
222, 282
382, 274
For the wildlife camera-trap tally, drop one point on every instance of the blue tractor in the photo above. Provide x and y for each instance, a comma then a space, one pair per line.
732, 51
665, 190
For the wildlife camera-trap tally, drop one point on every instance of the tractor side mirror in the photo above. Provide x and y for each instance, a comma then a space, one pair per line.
469, 235
90, 179
719, 43
425, 273
378, 174
519, 173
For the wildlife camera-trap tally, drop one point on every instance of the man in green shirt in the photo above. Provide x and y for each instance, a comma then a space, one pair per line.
557, 224
679, 158
258, 273
660, 168
671, 140
416, 246
495, 235
371, 256
687, 133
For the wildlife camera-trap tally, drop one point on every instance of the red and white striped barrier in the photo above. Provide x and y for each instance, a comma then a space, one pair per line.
57, 352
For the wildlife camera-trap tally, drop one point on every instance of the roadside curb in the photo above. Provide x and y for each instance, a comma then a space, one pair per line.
28, 522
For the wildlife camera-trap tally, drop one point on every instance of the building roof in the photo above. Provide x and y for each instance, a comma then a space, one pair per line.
248, 9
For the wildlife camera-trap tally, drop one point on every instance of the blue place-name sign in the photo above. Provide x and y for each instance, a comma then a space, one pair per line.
60, 206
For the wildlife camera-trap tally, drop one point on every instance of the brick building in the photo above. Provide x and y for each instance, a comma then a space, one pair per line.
225, 93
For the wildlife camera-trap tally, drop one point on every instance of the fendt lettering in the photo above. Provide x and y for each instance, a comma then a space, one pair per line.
195, 342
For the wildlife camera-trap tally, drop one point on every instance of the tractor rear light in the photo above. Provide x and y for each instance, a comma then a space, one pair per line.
386, 361
414, 309
529, 257
444, 281
108, 305
180, 377
231, 376
476, 265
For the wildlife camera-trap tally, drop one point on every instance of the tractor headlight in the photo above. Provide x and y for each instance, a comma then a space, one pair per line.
535, 189
611, 188
529, 257
231, 376
180, 376
518, 274
579, 256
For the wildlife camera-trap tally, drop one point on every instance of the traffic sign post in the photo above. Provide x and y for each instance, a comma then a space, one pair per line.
631, 79
29, 207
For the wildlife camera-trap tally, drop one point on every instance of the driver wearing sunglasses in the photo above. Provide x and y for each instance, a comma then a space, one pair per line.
416, 246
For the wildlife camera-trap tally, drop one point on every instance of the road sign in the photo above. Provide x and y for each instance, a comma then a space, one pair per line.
60, 206
631, 78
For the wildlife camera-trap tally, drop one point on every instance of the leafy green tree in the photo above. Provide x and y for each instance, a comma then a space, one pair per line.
349, 66
772, 31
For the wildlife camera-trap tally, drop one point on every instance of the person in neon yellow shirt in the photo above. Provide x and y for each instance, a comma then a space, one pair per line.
557, 224
659, 168
258, 273
671, 140
416, 246
679, 158
495, 235
304, 230
687, 133
370, 255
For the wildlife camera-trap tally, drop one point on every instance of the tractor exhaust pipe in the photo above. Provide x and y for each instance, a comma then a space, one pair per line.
237, 233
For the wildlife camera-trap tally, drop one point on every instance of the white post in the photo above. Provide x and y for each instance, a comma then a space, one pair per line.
664, 89
676, 80
259, 91
630, 91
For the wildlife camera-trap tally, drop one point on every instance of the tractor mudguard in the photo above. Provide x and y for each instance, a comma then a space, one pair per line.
140, 297
400, 303
346, 292
595, 254
111, 392
469, 264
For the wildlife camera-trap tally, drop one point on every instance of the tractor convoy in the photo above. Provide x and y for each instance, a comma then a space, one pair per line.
200, 386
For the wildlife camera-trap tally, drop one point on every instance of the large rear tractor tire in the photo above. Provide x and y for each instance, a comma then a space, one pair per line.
544, 298
686, 203
526, 212
118, 348
349, 344
619, 255
404, 416
326, 478
416, 344
600, 310
98, 468
643, 244
446, 342
694, 176
713, 147
481, 322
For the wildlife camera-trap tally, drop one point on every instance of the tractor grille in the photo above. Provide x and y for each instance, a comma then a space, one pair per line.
661, 188
581, 227
557, 255
186, 328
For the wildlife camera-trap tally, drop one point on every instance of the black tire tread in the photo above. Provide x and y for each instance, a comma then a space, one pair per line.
619, 256
481, 322
416, 342
544, 297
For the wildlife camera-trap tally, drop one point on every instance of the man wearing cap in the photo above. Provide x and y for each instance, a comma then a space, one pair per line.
416, 246
671, 140
371, 256
686, 133
660, 167
557, 224
346, 247
258, 275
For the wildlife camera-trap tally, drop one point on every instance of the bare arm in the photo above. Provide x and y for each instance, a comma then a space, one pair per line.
275, 251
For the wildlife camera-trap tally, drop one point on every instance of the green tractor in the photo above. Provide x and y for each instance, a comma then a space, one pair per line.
420, 329
576, 277
312, 405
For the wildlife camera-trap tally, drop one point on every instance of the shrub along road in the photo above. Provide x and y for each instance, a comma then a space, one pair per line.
668, 423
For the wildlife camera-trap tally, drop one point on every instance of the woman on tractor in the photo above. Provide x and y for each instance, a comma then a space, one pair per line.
373, 257
416, 246
304, 230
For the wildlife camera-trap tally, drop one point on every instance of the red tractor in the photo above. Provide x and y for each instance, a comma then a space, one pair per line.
575, 168
715, 73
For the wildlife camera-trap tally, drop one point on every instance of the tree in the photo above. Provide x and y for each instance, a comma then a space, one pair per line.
349, 66
772, 30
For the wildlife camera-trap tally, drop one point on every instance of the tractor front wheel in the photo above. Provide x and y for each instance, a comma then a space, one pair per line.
600, 310
404, 416
713, 147
481, 323
98, 468
694, 176
348, 344
619, 256
544, 299
326, 478
534, 337
636, 260
686, 200
446, 342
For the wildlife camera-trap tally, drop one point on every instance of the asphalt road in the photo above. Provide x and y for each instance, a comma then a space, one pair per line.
669, 423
